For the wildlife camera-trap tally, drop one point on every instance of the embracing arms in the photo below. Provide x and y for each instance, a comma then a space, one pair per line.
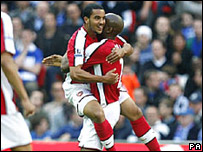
81, 75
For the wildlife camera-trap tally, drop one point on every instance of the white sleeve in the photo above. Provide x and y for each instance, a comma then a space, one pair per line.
8, 33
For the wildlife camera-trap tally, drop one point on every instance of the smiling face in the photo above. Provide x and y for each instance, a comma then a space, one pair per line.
96, 21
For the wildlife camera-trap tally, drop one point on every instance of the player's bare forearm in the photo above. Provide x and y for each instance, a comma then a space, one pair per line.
128, 49
80, 75
64, 64
11, 71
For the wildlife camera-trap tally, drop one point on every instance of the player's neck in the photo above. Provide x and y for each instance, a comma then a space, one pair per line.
91, 33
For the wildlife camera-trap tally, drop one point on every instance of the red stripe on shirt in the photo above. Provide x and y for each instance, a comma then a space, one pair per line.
3, 104
2, 38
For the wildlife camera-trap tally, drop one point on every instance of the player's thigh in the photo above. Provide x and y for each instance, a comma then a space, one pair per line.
79, 96
94, 111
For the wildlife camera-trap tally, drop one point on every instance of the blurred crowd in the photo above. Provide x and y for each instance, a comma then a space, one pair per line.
163, 75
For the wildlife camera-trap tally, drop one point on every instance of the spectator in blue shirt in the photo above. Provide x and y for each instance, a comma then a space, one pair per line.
28, 58
40, 126
71, 130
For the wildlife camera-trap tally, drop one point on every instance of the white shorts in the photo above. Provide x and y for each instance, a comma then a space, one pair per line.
123, 94
88, 137
78, 95
14, 131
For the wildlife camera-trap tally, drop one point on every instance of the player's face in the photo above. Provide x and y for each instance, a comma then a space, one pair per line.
97, 21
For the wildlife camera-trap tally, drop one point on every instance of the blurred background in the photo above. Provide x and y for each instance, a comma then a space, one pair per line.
163, 75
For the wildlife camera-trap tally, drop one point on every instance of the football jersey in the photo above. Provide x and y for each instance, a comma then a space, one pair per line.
8, 105
95, 57
79, 41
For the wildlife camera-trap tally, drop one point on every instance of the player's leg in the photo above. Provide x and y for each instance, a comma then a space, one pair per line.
87, 105
95, 112
88, 138
22, 148
140, 126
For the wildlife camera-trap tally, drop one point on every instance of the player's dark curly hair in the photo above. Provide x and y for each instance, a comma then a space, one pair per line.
88, 9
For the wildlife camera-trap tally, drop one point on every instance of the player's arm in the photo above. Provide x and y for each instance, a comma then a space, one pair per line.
80, 75
58, 61
118, 53
65, 64
11, 71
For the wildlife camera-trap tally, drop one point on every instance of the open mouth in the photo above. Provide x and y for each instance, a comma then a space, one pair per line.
100, 28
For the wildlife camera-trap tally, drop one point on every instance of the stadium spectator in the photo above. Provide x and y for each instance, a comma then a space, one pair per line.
17, 31
193, 7
144, 37
122, 129
153, 117
159, 58
37, 99
167, 117
200, 135
54, 108
186, 24
28, 58
186, 130
162, 31
181, 56
73, 21
13, 126
59, 9
141, 97
42, 9
51, 41
40, 126
71, 130
181, 103
134, 58
167, 77
143, 12
152, 82
123, 9
196, 104
165, 8
195, 44
194, 82
24, 11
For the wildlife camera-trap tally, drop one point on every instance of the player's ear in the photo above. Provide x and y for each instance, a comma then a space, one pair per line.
86, 20
109, 30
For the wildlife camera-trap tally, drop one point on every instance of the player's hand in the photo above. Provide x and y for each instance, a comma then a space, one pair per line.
29, 108
53, 60
116, 54
111, 77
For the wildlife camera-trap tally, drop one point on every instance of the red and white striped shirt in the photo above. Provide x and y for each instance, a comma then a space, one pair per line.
77, 45
8, 105
95, 57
